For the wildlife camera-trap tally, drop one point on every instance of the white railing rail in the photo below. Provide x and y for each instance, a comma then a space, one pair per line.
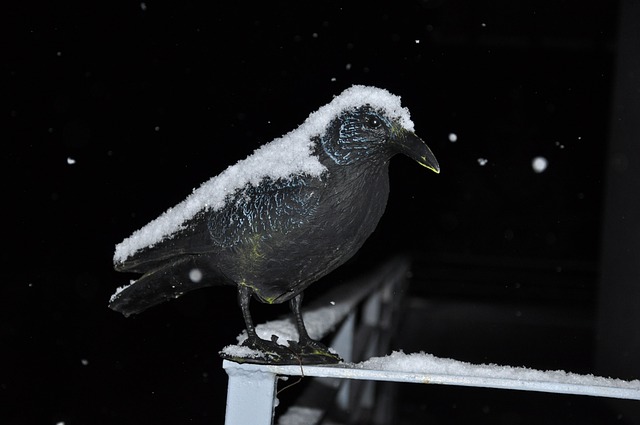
251, 396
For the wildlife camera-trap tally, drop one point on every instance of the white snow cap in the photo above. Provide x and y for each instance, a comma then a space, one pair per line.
282, 158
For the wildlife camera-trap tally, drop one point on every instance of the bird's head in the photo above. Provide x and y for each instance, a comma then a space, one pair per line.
364, 134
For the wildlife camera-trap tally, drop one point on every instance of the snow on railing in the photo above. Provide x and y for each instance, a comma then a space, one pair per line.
254, 385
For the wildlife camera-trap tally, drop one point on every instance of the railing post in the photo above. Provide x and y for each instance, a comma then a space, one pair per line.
343, 344
371, 309
250, 396
371, 317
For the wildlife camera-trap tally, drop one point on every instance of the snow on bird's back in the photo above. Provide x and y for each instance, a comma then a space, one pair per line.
282, 158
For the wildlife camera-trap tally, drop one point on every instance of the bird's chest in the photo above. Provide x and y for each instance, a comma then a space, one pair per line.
354, 209
340, 213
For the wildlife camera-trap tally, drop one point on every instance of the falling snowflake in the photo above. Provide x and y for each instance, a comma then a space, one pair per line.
195, 275
539, 164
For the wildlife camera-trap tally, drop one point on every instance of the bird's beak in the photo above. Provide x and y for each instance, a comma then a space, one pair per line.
413, 146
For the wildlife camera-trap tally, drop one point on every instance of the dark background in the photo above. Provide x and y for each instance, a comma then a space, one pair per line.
148, 100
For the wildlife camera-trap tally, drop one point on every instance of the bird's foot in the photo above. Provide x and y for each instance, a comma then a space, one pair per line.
311, 352
259, 351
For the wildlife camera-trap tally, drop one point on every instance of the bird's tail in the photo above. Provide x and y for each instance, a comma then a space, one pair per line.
170, 281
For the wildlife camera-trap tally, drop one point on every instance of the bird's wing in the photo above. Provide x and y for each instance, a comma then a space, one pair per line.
191, 239
274, 207
271, 207
169, 280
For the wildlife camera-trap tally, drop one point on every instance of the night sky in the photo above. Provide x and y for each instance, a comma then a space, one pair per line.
114, 112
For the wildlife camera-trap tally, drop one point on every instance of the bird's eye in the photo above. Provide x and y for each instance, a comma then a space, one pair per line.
373, 122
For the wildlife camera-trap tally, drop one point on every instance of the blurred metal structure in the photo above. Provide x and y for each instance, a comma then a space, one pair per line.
618, 339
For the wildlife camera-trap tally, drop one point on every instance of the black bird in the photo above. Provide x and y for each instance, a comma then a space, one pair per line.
279, 226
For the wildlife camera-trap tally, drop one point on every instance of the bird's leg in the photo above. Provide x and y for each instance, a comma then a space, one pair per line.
244, 297
272, 351
295, 303
316, 352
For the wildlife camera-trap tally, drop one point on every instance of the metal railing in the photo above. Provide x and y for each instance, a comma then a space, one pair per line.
365, 321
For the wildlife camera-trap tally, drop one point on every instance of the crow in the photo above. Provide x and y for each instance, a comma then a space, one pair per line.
276, 222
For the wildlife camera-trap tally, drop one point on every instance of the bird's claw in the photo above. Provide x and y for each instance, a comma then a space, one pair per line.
307, 352
269, 352
313, 352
